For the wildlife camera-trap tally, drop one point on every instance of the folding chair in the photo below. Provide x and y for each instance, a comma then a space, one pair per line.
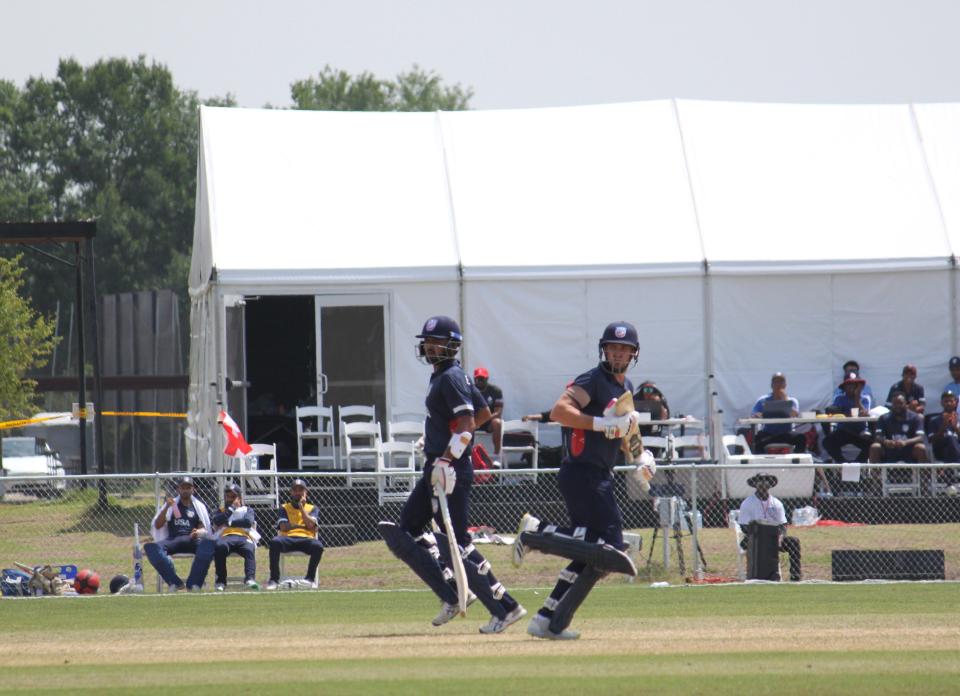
315, 425
258, 490
406, 431
400, 458
530, 429
361, 446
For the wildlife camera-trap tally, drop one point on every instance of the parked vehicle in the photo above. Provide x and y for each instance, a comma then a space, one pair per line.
31, 457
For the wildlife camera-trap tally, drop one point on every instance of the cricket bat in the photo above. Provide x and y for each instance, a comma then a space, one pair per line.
459, 572
632, 443
137, 560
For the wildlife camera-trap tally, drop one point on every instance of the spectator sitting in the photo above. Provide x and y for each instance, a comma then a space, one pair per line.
297, 522
945, 436
648, 391
856, 434
943, 430
762, 518
854, 366
899, 436
913, 392
237, 529
954, 366
179, 526
777, 432
493, 395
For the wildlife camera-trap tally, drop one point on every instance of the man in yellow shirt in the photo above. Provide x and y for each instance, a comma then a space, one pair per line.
298, 532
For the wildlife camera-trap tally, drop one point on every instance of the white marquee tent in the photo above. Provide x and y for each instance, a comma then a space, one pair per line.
742, 239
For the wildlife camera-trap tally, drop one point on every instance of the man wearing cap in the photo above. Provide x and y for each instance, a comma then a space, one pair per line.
908, 386
179, 526
777, 432
945, 435
954, 385
856, 434
493, 396
763, 519
237, 533
298, 523
854, 366
592, 436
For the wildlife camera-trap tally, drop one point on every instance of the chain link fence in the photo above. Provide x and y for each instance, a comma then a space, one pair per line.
683, 530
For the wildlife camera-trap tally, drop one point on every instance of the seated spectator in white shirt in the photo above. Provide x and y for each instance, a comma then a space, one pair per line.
764, 510
916, 401
777, 433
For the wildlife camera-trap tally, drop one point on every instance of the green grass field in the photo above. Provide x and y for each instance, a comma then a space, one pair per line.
736, 639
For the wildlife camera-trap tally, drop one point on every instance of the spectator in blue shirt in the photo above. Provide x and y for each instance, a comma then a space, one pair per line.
777, 432
856, 434
908, 386
954, 366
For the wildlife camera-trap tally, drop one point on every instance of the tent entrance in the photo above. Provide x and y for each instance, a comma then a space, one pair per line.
288, 337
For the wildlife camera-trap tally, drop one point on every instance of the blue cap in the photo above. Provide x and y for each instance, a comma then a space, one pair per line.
441, 326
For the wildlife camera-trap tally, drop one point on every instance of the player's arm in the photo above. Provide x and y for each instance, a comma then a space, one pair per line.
283, 522
568, 411
464, 425
162, 515
309, 520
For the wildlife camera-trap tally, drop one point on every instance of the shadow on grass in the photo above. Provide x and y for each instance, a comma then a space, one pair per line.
107, 516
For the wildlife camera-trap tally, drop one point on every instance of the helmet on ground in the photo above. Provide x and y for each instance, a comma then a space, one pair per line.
118, 582
443, 328
623, 333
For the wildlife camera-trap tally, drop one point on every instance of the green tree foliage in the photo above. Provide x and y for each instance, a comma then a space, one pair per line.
26, 340
115, 141
416, 90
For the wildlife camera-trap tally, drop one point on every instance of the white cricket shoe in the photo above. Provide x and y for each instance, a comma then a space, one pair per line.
528, 523
219, 587
313, 584
500, 625
272, 585
539, 627
448, 612
252, 585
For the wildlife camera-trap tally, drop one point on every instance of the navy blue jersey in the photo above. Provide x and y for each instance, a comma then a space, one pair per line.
492, 396
892, 428
185, 524
449, 397
590, 446
914, 393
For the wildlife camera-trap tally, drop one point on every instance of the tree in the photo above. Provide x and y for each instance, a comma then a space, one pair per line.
115, 141
27, 340
416, 90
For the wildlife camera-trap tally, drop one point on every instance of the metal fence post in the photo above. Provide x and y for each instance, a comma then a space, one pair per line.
697, 563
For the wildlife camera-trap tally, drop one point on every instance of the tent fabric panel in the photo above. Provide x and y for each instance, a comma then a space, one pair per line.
579, 186
303, 190
808, 326
939, 126
850, 182
668, 314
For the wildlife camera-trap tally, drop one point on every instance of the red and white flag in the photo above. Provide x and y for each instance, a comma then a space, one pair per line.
235, 440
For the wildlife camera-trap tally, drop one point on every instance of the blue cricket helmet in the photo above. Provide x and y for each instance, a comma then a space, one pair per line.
439, 327
622, 332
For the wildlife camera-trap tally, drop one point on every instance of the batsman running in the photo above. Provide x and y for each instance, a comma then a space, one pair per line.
593, 431
448, 435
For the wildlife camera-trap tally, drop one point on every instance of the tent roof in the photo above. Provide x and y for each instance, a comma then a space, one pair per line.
654, 187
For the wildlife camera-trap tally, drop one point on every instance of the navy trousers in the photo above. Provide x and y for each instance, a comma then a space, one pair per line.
285, 544
237, 544
159, 552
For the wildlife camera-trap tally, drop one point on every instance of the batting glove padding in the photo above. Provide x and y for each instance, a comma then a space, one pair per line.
614, 427
443, 477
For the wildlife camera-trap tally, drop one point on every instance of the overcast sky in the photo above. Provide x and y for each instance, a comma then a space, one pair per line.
515, 53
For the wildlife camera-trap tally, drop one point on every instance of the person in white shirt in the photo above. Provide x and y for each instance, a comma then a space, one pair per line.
762, 514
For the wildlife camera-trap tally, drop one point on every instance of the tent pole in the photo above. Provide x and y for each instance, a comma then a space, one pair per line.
462, 299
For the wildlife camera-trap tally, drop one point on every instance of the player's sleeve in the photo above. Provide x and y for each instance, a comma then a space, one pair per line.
282, 516
588, 383
746, 515
314, 514
457, 395
781, 514
497, 396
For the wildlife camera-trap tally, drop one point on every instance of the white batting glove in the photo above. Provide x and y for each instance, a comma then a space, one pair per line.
443, 477
646, 468
614, 427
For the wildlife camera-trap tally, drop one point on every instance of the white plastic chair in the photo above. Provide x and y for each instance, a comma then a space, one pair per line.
520, 427
361, 446
734, 523
400, 458
257, 490
319, 430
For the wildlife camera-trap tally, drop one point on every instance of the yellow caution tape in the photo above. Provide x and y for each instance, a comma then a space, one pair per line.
19, 423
